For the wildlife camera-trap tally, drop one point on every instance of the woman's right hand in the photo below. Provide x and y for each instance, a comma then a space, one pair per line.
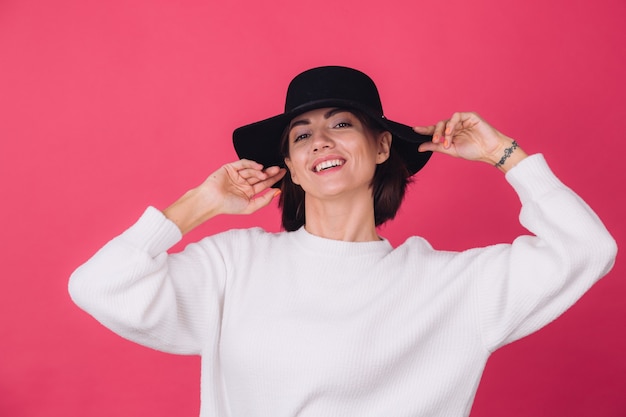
235, 188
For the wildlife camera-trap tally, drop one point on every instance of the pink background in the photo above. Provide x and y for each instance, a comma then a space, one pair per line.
109, 106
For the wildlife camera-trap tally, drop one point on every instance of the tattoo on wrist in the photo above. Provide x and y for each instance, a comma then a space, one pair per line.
507, 153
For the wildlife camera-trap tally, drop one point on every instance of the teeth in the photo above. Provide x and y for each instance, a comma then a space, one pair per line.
328, 164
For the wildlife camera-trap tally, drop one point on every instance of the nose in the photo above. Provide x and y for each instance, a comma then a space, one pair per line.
321, 140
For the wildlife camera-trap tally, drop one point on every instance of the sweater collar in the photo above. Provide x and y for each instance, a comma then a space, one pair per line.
340, 248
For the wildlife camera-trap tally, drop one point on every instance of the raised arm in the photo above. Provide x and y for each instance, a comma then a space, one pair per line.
525, 285
235, 188
171, 302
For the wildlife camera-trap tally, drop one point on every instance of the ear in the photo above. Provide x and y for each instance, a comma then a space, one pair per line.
294, 179
384, 147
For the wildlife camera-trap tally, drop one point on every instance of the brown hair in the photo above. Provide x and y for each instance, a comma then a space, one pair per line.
388, 184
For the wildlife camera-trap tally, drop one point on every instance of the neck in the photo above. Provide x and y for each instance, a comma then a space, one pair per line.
348, 219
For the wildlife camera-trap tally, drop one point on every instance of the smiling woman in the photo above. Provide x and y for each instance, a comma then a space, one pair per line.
386, 185
333, 157
327, 318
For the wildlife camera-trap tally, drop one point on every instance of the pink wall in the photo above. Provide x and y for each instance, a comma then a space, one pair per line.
108, 106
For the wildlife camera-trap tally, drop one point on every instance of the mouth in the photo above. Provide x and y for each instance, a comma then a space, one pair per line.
325, 165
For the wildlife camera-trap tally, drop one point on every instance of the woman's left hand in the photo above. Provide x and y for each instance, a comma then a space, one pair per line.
468, 136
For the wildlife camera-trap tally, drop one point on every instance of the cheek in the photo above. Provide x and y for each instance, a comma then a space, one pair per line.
370, 154
292, 172
294, 178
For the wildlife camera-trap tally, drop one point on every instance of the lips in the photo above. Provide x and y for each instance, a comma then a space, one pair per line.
327, 164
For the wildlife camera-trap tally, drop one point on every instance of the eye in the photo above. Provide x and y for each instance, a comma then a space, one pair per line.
343, 124
300, 137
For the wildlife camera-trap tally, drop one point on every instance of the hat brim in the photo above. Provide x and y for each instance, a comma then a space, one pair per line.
260, 141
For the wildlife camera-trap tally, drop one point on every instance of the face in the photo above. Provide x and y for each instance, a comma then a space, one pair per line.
332, 153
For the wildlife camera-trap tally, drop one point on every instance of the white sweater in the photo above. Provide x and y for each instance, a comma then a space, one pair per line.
290, 324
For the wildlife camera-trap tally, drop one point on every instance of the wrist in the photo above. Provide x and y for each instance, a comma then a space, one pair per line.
507, 156
192, 209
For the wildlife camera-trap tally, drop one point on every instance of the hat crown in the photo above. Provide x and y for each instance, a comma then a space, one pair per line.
333, 84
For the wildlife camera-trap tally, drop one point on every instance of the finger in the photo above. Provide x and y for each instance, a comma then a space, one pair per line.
254, 175
246, 163
273, 170
460, 121
243, 168
261, 201
424, 130
251, 173
453, 125
438, 132
433, 147
269, 181
427, 147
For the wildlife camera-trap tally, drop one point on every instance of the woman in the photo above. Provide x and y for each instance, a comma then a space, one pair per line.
327, 318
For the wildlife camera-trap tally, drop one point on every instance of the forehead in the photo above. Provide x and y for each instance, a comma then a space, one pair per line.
325, 113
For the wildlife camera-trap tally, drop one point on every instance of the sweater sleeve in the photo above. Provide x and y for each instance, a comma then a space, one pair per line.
135, 288
526, 285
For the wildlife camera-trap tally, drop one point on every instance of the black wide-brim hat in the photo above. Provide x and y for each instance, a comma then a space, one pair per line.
321, 87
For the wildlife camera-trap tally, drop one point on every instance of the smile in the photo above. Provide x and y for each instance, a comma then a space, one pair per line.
322, 166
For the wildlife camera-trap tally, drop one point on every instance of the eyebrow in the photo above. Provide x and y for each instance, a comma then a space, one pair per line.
327, 115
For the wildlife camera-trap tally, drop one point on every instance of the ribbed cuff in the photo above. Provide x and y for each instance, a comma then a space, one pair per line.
533, 178
153, 232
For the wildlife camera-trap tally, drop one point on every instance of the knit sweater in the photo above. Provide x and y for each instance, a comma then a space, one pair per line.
291, 324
